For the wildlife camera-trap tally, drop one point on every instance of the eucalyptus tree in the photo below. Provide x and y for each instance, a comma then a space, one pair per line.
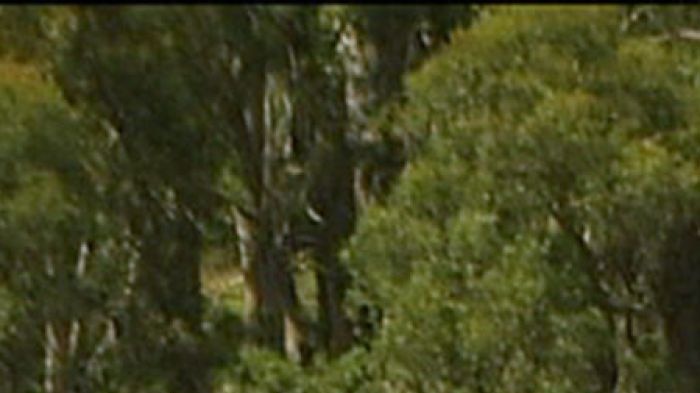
541, 241
61, 261
236, 114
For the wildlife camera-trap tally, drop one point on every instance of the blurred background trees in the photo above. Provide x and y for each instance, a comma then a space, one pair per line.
348, 198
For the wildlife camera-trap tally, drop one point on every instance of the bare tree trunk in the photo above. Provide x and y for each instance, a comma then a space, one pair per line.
49, 358
61, 334
57, 345
263, 312
334, 201
272, 309
335, 329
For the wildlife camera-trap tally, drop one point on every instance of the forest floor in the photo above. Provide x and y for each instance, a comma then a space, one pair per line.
222, 281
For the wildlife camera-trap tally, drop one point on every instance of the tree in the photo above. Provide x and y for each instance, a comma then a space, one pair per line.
58, 271
243, 77
521, 250
161, 181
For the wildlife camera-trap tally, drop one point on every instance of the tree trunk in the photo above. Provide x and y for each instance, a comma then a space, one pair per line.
61, 332
335, 330
272, 311
334, 200
680, 304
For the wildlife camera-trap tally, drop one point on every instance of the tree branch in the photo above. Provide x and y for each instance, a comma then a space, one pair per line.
603, 299
683, 33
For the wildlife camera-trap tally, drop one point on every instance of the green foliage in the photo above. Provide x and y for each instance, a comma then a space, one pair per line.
542, 235
549, 179
49, 208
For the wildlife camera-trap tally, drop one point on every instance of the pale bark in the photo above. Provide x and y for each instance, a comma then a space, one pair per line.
272, 309
61, 337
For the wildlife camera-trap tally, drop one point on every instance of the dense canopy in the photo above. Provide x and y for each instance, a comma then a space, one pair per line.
255, 198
